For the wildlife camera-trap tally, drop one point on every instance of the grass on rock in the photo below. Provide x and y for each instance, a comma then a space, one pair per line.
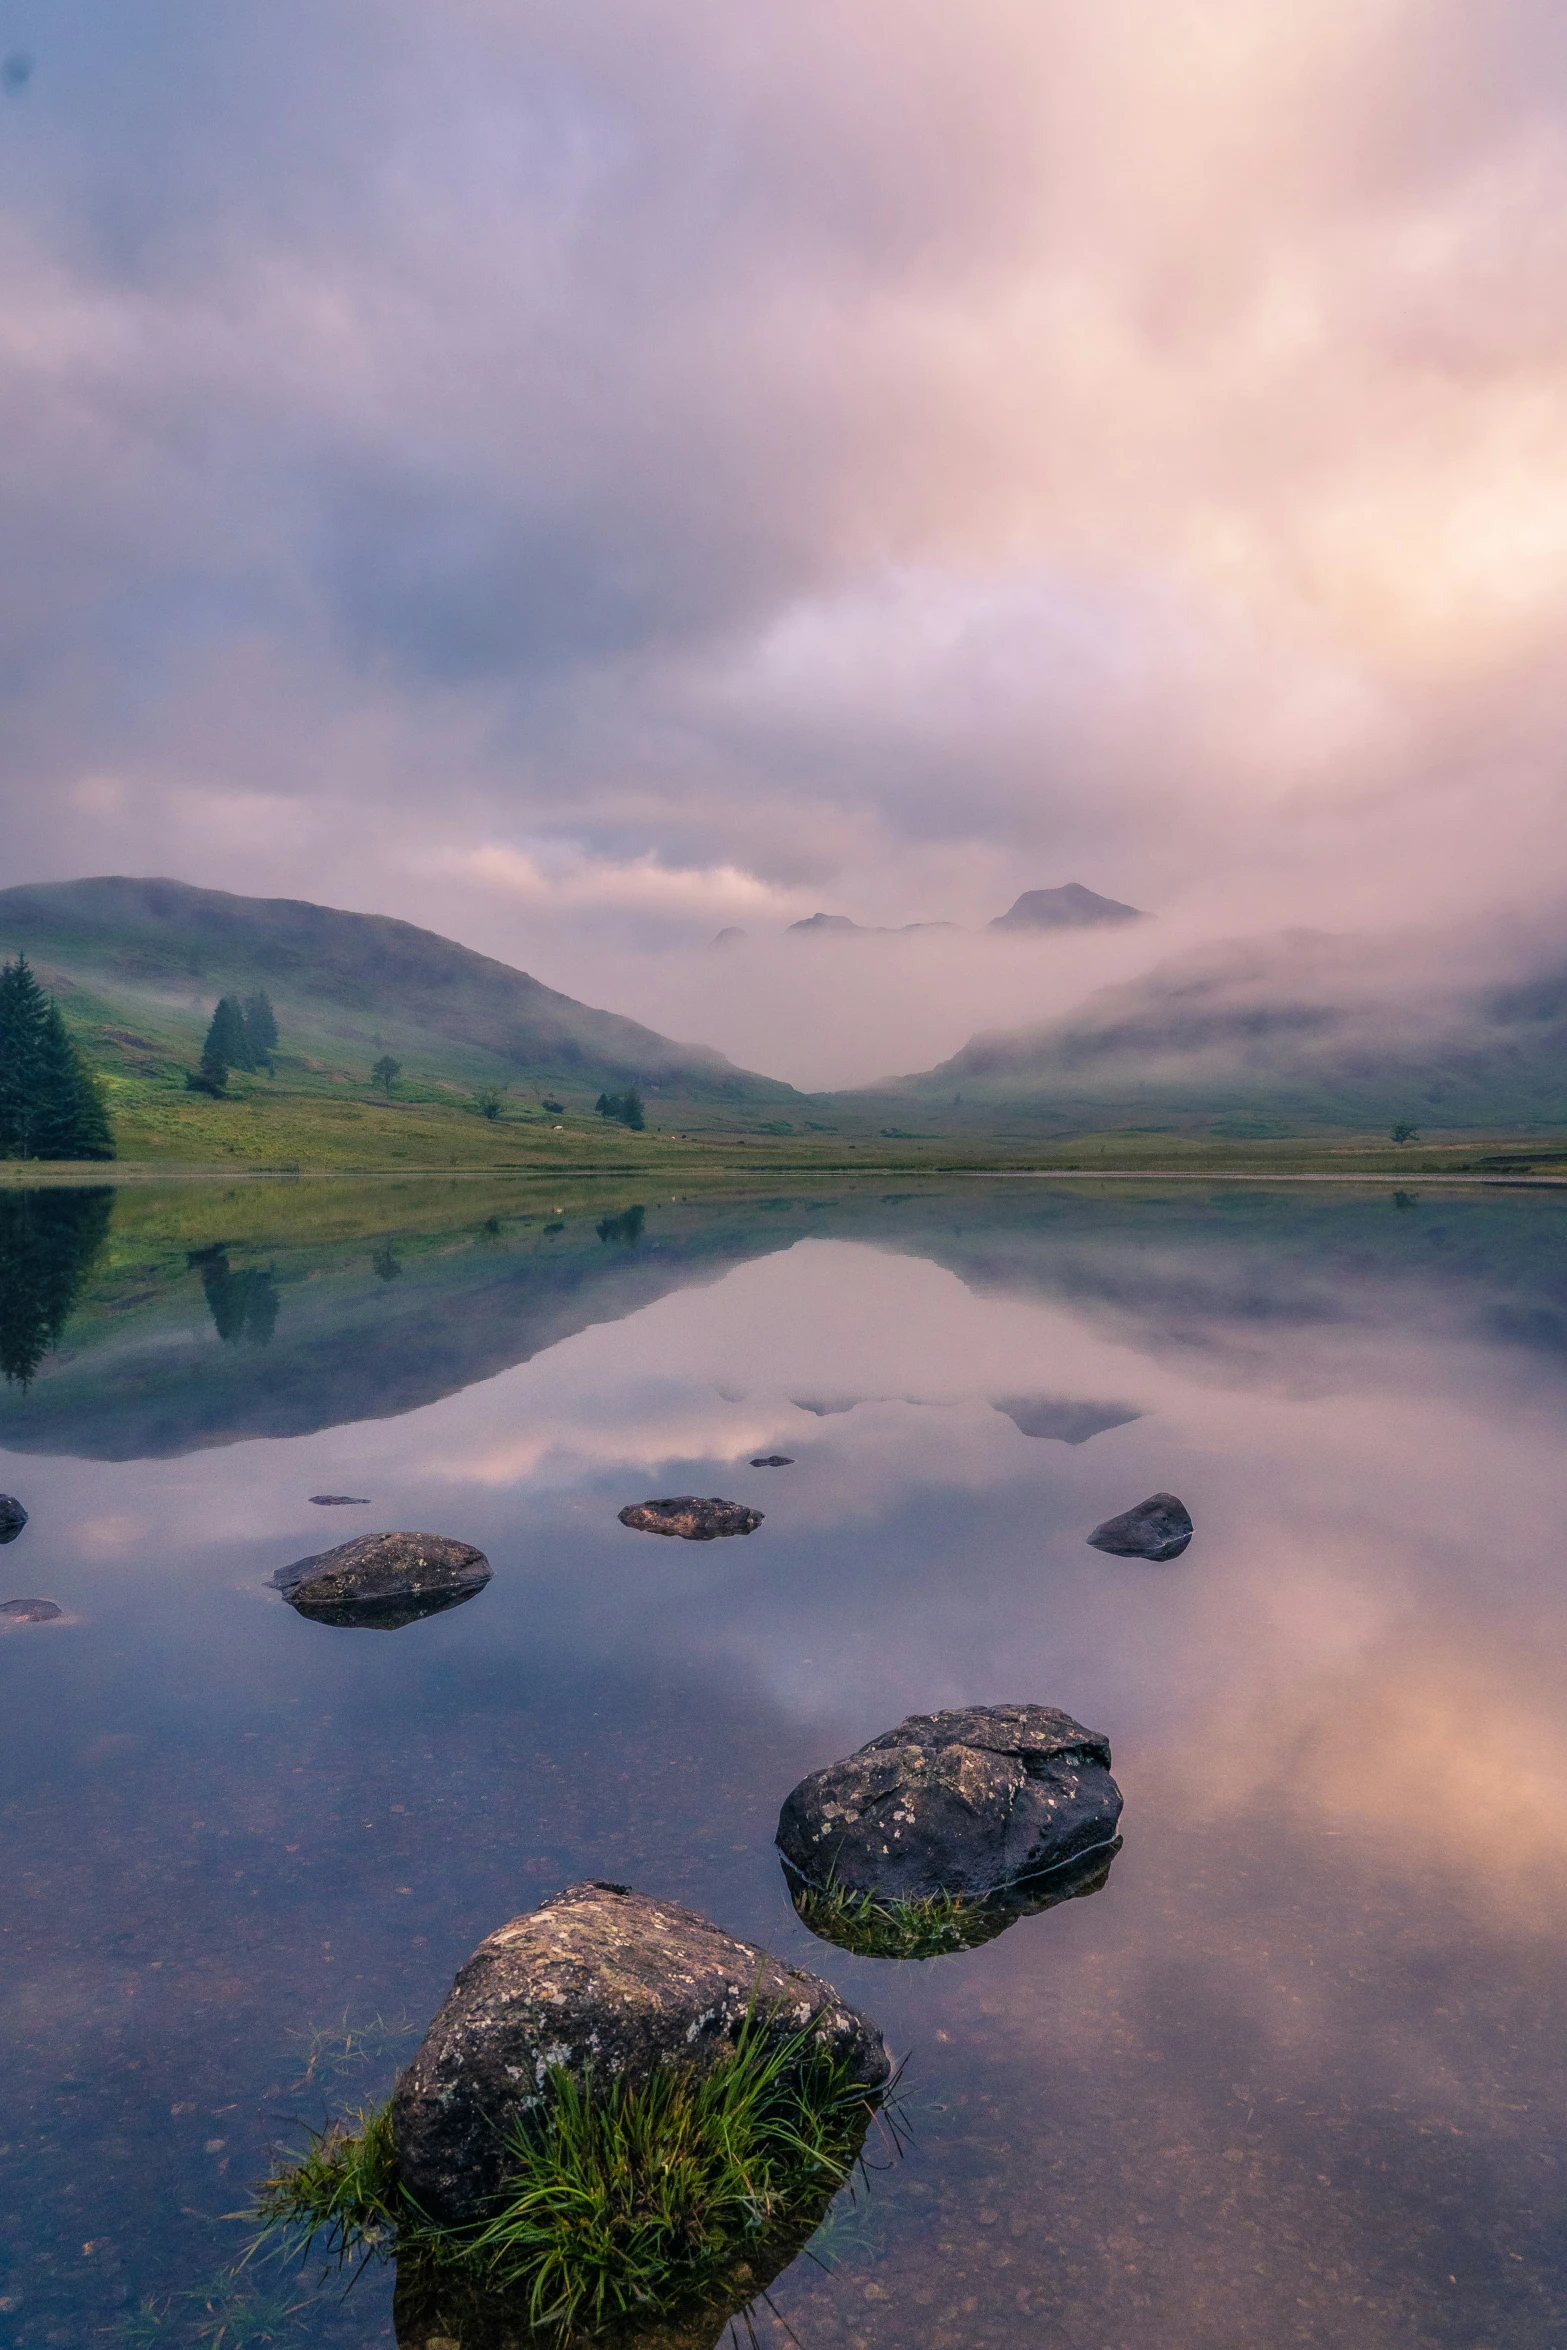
928, 1928
624, 2201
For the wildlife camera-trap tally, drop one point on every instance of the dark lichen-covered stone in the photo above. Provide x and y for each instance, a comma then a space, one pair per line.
12, 1517
693, 1517
964, 1802
29, 1611
1158, 1528
382, 1581
600, 1980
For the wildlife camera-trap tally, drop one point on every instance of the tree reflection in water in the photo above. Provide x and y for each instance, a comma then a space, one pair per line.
48, 1240
243, 1305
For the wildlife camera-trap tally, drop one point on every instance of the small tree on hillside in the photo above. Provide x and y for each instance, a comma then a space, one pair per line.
625, 1108
50, 1104
386, 1073
226, 1047
260, 1029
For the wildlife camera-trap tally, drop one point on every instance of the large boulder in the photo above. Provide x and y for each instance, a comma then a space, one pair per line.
12, 1517
602, 1981
964, 1803
692, 1516
382, 1581
1158, 1528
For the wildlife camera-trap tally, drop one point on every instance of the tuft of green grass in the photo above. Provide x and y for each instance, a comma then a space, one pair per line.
929, 1928
622, 2200
343, 2188
334, 2049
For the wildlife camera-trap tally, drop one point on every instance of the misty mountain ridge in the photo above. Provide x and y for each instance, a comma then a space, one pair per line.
1272, 1034
1071, 907
138, 964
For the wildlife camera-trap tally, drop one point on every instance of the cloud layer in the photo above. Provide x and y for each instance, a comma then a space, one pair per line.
582, 481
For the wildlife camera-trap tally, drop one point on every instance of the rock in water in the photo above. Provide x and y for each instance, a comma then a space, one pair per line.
12, 1517
965, 1802
341, 1501
692, 1517
29, 1611
599, 1979
382, 1581
1158, 1528
774, 1460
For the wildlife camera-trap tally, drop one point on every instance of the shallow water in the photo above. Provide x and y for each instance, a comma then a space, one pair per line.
1294, 2075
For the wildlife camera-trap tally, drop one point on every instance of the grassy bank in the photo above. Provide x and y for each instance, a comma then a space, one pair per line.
270, 1127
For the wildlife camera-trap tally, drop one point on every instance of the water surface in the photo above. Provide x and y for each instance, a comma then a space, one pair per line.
1295, 2074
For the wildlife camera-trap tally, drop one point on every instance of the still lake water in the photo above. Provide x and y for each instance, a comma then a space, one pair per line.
1295, 2075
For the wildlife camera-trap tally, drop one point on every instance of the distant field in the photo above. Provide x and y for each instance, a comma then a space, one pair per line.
311, 1126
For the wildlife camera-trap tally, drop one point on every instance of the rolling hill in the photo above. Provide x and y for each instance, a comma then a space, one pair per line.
138, 965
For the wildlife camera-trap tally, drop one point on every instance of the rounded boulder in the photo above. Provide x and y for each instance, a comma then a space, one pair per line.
1158, 1528
965, 1802
606, 1983
12, 1517
381, 1581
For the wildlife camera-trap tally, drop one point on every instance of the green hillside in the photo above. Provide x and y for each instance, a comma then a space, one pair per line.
138, 965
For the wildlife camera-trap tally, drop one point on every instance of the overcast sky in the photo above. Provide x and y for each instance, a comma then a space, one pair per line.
581, 477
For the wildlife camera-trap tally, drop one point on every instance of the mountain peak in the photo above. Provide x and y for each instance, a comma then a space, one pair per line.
1071, 907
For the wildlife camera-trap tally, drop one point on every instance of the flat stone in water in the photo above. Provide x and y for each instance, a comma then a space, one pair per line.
12, 1517
341, 1501
29, 1611
965, 1802
774, 1460
379, 1582
600, 1979
1158, 1528
693, 1517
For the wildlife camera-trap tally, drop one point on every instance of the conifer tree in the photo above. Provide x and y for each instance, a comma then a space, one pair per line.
260, 1029
50, 1104
226, 1048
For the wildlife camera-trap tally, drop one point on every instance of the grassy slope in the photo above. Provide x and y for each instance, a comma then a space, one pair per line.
137, 968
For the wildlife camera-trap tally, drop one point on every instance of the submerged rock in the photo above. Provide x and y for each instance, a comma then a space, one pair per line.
774, 1460
341, 1501
380, 1582
29, 1611
1158, 1528
965, 1803
599, 1980
12, 1517
692, 1517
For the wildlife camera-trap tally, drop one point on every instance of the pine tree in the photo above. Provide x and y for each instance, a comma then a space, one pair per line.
226, 1048
260, 1029
50, 1105
228, 1027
